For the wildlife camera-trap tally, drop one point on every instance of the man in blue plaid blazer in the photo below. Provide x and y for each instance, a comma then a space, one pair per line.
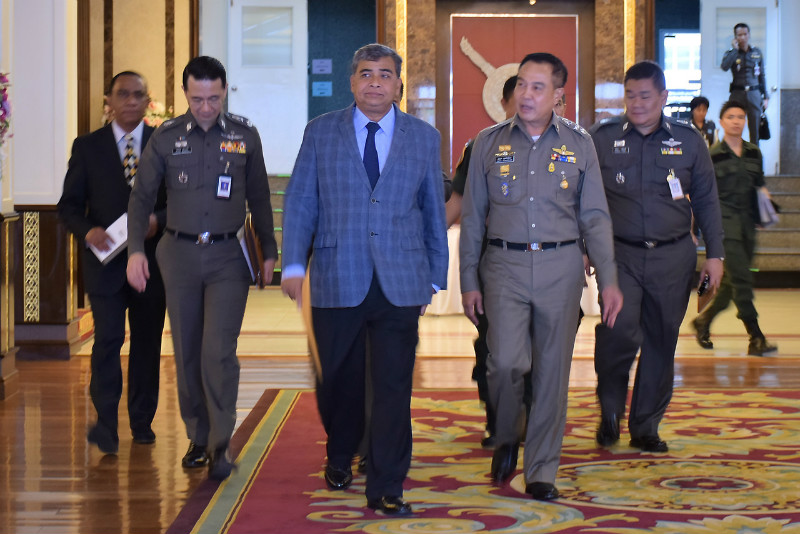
366, 200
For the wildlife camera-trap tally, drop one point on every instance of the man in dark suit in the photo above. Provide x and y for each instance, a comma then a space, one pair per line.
366, 196
101, 172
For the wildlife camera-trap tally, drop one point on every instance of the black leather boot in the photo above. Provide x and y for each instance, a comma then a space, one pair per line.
701, 325
758, 343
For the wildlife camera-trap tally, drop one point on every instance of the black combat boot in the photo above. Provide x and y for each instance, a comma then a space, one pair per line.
758, 343
702, 325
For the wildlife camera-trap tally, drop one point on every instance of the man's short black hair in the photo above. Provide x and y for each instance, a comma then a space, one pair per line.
699, 101
732, 104
741, 25
647, 69
118, 75
204, 68
508, 88
374, 52
559, 69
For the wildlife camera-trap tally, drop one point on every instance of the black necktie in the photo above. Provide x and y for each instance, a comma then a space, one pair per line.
371, 154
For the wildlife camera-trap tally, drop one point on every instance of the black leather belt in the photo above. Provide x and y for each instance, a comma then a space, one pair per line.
745, 88
529, 246
203, 238
650, 243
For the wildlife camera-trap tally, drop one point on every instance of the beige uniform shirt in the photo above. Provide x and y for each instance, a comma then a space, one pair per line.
525, 192
191, 161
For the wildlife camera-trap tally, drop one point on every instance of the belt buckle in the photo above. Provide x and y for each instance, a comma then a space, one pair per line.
532, 247
204, 239
650, 244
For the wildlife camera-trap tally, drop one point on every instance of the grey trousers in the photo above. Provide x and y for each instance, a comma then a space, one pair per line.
206, 288
533, 299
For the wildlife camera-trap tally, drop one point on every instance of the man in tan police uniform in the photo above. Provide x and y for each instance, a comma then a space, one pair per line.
214, 169
534, 186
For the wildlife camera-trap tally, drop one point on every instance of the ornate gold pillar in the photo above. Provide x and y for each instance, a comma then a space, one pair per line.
618, 46
45, 293
8, 350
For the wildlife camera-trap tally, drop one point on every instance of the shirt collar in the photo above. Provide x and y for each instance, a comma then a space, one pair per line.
554, 123
386, 123
627, 125
191, 122
119, 133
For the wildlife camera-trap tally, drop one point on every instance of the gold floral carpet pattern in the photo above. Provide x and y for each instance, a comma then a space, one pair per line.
733, 467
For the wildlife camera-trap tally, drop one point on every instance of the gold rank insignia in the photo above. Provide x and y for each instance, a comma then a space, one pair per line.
563, 151
504, 148
505, 170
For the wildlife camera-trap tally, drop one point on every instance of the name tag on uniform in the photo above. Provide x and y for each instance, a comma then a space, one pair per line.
674, 185
224, 186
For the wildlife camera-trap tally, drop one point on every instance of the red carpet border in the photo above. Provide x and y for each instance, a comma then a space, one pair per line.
733, 468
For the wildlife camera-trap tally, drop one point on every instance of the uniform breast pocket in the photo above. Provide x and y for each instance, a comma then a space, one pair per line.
505, 188
565, 181
666, 166
182, 173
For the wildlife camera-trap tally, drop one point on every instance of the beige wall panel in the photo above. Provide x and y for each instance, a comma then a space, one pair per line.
139, 41
182, 51
97, 85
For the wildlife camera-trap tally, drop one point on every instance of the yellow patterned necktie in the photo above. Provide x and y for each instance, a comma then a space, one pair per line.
130, 161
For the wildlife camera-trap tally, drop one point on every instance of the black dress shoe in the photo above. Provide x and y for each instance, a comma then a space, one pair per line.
608, 431
196, 456
488, 442
542, 491
650, 444
338, 478
106, 441
702, 333
390, 506
220, 465
362, 464
144, 437
504, 462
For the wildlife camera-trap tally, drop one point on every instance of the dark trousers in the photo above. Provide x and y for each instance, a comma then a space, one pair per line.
342, 335
655, 284
753, 105
737, 280
146, 317
207, 288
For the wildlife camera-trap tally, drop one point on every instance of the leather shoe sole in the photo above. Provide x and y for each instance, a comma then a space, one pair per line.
650, 444
504, 462
390, 506
608, 431
196, 456
542, 491
338, 478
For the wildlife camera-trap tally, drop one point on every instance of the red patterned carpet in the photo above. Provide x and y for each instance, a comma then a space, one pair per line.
733, 467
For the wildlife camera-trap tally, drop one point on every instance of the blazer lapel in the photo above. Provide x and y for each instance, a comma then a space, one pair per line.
110, 153
399, 139
348, 132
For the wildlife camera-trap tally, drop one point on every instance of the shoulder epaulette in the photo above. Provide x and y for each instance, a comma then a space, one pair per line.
169, 123
574, 125
238, 118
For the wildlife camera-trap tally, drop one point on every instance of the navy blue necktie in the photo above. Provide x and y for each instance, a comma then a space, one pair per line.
371, 154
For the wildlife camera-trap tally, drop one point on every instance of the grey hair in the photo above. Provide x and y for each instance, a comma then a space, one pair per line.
374, 52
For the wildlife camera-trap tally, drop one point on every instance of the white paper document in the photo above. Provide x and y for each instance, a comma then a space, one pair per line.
118, 232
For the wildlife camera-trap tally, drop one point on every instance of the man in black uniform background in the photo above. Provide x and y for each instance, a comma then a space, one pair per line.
101, 172
749, 85
739, 169
651, 166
